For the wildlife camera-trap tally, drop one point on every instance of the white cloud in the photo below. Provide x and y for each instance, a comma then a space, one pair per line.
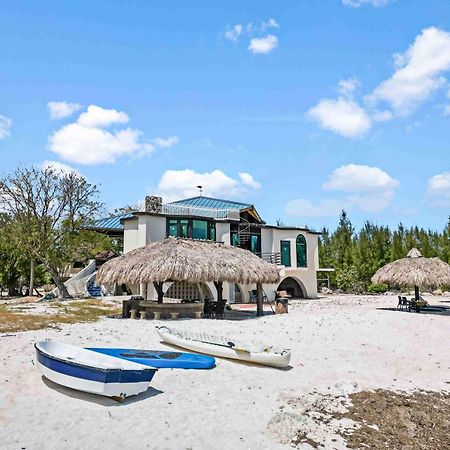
58, 167
358, 3
368, 189
232, 34
382, 116
419, 72
86, 141
263, 45
5, 126
58, 110
355, 178
439, 188
95, 116
271, 23
176, 184
341, 116
165, 142
447, 110
346, 87
249, 181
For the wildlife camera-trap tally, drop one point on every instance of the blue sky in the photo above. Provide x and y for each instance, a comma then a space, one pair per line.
300, 107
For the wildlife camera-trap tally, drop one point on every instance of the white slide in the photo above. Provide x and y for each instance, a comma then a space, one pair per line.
225, 348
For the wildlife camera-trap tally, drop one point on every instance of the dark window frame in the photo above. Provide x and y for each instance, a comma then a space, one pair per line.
301, 246
180, 220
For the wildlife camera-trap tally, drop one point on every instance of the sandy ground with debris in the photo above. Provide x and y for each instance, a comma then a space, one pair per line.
340, 345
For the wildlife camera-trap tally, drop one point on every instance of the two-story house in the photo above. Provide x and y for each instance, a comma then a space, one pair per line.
293, 249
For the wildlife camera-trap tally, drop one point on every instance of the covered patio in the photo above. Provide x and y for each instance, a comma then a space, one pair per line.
192, 261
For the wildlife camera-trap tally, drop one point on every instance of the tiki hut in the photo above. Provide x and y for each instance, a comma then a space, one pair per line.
414, 270
194, 261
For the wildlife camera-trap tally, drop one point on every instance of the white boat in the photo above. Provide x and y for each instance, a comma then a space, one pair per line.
93, 372
225, 348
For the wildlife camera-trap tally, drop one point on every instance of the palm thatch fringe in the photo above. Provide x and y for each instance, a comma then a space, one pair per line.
174, 259
414, 270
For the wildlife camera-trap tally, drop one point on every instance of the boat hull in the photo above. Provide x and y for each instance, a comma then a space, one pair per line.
279, 360
159, 359
101, 378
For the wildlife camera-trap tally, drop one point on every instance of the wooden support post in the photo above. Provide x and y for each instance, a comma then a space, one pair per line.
219, 288
159, 290
259, 301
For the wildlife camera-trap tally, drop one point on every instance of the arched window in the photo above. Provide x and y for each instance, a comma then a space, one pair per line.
301, 251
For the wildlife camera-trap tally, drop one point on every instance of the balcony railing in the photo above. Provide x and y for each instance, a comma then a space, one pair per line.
273, 258
184, 210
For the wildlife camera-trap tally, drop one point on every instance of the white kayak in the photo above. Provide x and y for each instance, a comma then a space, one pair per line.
224, 347
88, 371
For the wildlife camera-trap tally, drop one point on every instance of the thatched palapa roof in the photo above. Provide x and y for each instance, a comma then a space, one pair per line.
414, 270
175, 259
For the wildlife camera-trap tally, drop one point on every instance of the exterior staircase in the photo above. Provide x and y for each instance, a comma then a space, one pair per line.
244, 233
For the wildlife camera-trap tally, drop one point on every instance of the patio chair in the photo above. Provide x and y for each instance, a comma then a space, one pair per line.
413, 305
220, 309
402, 303
252, 296
208, 308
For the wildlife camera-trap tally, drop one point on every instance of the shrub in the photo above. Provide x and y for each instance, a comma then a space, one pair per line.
379, 288
346, 278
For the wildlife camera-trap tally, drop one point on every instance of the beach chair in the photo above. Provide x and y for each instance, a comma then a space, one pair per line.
208, 308
219, 309
402, 303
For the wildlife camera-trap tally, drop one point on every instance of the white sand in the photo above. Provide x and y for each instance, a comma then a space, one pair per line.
339, 344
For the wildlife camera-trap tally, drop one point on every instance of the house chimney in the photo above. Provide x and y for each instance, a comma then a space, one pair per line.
153, 204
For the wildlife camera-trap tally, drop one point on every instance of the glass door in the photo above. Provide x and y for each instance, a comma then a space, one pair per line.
285, 248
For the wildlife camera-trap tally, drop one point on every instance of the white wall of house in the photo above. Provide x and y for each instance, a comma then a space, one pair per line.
223, 232
144, 229
306, 277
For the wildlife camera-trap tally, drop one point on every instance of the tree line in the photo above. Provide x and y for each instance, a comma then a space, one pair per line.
357, 255
43, 218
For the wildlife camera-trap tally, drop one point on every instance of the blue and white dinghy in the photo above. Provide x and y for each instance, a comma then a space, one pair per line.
92, 372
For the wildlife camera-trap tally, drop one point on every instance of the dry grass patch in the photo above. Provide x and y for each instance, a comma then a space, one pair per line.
399, 421
14, 319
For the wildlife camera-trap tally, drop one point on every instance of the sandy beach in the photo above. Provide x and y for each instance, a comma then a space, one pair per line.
340, 345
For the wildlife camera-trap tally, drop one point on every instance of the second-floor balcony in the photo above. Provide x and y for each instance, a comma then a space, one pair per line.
195, 211
273, 258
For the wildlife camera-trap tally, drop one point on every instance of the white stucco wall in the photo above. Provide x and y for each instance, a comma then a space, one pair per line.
142, 230
306, 276
223, 232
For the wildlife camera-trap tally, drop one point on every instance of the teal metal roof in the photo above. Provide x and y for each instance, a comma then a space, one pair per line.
208, 202
110, 223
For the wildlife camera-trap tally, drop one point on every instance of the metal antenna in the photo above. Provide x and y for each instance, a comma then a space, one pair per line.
200, 190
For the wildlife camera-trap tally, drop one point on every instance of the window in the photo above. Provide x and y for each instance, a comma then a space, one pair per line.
301, 251
285, 247
178, 228
211, 231
234, 239
191, 228
255, 243
200, 229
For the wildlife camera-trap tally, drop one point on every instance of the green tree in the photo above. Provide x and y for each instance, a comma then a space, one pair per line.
49, 212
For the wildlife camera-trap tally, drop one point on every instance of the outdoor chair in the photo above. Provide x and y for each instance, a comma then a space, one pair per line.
252, 296
402, 303
219, 309
208, 308
413, 305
